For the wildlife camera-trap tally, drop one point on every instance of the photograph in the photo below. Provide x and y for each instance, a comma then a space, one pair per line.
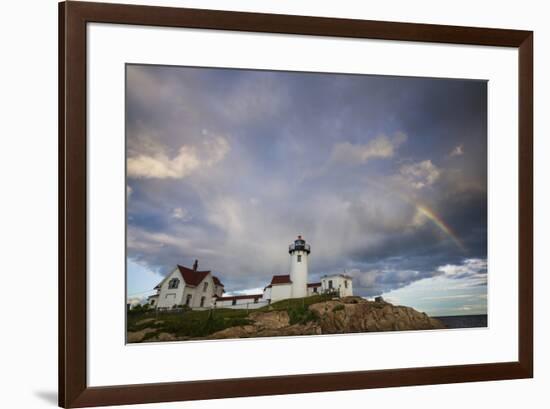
263, 203
275, 204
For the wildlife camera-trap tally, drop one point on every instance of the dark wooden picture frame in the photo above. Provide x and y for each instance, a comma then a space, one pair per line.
73, 388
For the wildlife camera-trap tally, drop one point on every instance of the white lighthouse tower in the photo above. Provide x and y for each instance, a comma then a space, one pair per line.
299, 252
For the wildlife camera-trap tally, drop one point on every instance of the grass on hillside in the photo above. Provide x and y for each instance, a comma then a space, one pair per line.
297, 308
296, 302
196, 324
190, 323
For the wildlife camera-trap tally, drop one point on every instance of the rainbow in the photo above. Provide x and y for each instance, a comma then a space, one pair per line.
438, 221
427, 212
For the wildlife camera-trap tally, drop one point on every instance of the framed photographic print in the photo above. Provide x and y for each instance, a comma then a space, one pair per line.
284, 204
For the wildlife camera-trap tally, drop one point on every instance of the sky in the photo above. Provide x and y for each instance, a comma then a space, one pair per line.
385, 177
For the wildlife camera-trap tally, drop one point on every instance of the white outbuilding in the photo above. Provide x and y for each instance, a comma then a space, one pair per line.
339, 284
240, 301
280, 288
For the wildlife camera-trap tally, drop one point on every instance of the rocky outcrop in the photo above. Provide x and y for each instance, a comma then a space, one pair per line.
346, 315
353, 314
268, 324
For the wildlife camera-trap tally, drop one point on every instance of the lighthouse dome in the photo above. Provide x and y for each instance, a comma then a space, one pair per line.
299, 245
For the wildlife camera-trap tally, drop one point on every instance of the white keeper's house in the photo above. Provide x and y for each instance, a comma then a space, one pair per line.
201, 289
187, 286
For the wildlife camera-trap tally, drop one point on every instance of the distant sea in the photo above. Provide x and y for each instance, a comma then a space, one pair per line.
464, 321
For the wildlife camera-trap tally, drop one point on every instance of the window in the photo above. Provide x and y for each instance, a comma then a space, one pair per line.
330, 284
234, 302
346, 283
299, 258
314, 289
152, 302
188, 299
202, 301
173, 283
204, 287
255, 301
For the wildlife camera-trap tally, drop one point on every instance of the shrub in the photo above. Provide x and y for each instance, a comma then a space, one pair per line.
338, 307
301, 315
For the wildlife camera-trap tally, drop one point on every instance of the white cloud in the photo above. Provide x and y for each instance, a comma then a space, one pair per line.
470, 268
162, 167
451, 297
133, 301
228, 215
380, 147
214, 150
253, 98
248, 291
457, 151
478, 308
421, 174
181, 214
188, 160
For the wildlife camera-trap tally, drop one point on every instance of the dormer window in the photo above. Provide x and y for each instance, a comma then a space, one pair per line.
173, 283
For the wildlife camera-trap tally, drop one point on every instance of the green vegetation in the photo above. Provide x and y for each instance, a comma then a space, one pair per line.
136, 309
296, 302
301, 315
338, 307
189, 323
297, 308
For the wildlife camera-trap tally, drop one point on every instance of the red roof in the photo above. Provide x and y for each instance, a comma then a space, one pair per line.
191, 277
217, 281
238, 297
282, 279
310, 285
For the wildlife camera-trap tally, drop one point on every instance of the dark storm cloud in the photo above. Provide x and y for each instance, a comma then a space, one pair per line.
227, 166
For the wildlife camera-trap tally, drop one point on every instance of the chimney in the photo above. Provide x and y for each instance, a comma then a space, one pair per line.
195, 265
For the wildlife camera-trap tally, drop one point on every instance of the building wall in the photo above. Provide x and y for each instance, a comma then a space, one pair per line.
298, 273
169, 297
177, 296
153, 301
310, 291
281, 292
267, 294
218, 290
338, 283
348, 292
241, 304
198, 292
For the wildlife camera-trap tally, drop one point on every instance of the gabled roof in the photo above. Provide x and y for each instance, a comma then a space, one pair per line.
239, 297
217, 281
281, 279
311, 285
191, 277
